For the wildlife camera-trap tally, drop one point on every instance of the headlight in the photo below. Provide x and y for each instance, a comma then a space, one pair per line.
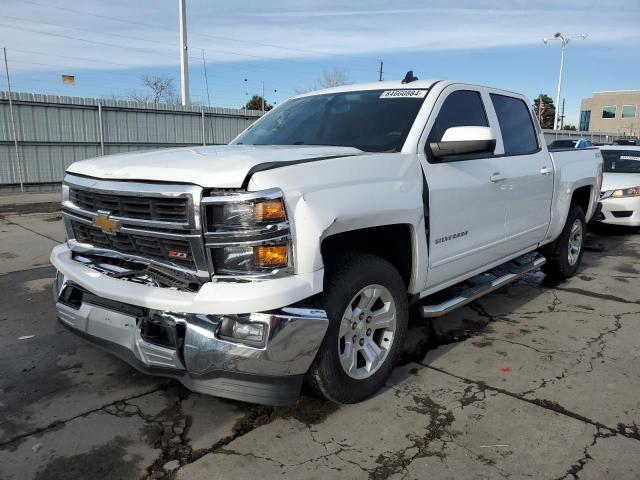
626, 192
248, 233
248, 214
247, 259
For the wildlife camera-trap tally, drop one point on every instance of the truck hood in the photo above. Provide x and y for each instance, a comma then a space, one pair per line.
223, 166
614, 181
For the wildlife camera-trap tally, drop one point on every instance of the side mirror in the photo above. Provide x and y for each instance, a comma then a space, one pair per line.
462, 140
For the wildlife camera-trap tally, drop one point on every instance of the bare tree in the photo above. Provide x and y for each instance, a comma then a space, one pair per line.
330, 78
162, 90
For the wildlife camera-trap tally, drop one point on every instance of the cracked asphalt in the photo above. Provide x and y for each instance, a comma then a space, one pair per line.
537, 380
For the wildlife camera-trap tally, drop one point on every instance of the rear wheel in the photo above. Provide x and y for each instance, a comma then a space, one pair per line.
366, 302
565, 254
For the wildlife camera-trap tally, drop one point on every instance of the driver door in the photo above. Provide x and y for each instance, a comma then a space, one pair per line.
467, 194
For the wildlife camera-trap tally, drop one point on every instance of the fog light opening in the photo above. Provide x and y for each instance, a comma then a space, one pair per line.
240, 330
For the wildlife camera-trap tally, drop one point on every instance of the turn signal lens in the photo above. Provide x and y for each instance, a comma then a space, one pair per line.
626, 192
269, 211
271, 256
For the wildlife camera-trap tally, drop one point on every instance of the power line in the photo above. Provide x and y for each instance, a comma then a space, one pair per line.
85, 89
81, 84
168, 46
78, 39
128, 37
140, 49
73, 57
205, 35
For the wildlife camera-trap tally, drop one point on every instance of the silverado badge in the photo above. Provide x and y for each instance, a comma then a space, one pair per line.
105, 223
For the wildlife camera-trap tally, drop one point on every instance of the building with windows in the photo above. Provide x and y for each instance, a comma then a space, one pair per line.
612, 112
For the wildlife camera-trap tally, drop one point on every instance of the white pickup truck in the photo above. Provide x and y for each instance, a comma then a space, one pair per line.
298, 251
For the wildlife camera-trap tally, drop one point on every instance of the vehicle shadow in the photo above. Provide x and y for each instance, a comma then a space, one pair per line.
438, 336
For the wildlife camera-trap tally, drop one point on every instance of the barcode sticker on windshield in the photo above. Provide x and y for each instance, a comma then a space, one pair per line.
403, 94
628, 157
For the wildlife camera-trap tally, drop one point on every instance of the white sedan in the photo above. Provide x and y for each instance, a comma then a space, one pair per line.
620, 197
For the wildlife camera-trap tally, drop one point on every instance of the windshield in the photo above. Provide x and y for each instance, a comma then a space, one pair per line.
373, 120
621, 161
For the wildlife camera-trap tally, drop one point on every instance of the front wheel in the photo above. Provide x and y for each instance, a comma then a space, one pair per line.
565, 254
366, 302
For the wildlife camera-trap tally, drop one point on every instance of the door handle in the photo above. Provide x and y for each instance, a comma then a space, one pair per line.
546, 170
497, 177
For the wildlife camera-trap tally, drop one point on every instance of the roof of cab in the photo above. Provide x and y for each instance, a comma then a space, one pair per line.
386, 85
398, 85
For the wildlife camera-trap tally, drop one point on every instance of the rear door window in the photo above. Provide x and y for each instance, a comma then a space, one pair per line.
518, 133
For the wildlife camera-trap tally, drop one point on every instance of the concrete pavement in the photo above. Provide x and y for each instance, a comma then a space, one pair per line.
537, 380
29, 202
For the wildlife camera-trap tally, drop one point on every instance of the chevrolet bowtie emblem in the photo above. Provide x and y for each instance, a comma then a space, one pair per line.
106, 224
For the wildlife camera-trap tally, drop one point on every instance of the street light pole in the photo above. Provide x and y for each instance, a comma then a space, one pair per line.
557, 109
563, 44
184, 53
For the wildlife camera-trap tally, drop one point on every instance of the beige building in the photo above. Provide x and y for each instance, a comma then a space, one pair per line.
611, 112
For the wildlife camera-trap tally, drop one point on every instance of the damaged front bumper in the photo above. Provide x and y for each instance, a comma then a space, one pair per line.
258, 357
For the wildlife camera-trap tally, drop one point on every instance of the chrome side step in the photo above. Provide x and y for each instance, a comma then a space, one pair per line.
485, 283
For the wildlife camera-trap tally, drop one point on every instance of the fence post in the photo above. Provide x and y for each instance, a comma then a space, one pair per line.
100, 130
13, 123
204, 138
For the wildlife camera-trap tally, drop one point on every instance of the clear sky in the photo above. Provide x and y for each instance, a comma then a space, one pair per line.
287, 44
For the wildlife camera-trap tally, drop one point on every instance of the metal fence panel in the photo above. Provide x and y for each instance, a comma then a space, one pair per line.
54, 131
599, 137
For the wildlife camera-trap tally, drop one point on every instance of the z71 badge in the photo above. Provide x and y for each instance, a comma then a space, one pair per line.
446, 238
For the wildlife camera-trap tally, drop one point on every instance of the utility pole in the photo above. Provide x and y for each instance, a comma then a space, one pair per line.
564, 41
184, 53
13, 123
381, 72
206, 78
263, 97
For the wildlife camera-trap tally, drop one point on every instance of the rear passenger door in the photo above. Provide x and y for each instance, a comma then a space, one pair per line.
528, 172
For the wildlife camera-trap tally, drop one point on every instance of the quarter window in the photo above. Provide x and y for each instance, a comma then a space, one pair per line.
462, 108
518, 133
628, 111
609, 111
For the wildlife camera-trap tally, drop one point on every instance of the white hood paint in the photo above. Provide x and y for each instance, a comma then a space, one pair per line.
614, 181
223, 166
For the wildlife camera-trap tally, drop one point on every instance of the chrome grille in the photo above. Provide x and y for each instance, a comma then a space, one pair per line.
134, 244
136, 207
153, 223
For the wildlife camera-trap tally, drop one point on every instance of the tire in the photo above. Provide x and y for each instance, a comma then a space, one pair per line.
560, 263
353, 280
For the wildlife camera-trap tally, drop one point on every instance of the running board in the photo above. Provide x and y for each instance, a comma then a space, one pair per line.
498, 277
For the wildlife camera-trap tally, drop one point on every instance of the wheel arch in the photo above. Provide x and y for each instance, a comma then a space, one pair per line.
581, 197
395, 243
